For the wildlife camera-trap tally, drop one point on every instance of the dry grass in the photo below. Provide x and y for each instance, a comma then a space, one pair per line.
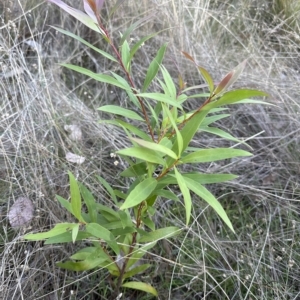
38, 98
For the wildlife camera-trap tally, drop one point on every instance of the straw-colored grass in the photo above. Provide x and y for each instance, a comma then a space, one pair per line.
38, 98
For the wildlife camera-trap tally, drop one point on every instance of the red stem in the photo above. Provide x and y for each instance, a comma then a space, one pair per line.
127, 74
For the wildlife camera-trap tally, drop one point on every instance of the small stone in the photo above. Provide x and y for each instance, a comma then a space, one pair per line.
21, 212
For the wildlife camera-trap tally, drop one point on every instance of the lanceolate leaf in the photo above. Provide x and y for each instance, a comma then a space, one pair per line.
75, 230
209, 155
203, 72
154, 67
76, 37
133, 129
138, 253
89, 201
135, 170
66, 237
99, 231
75, 197
136, 270
207, 78
78, 14
84, 265
169, 82
144, 154
230, 78
140, 193
211, 119
137, 45
102, 233
186, 195
221, 133
125, 55
56, 230
206, 195
209, 178
235, 96
161, 97
155, 147
117, 110
137, 285
97, 76
108, 188
162, 233
65, 203
129, 90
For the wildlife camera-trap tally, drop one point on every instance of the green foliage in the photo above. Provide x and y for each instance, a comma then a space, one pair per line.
119, 236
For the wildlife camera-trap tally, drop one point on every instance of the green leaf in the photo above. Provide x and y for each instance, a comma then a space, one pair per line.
66, 237
99, 231
166, 194
125, 218
108, 213
154, 67
140, 193
136, 170
188, 132
161, 98
133, 129
182, 98
56, 230
221, 133
84, 253
76, 37
235, 96
155, 147
75, 230
209, 155
186, 195
203, 72
97, 76
89, 253
129, 90
125, 53
179, 138
209, 178
169, 82
251, 101
89, 201
208, 120
137, 285
206, 76
138, 44
122, 231
136, 270
65, 203
117, 110
108, 188
75, 198
138, 253
84, 265
102, 233
143, 153
206, 195
162, 233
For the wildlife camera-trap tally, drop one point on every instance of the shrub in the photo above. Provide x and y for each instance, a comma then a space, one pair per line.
161, 130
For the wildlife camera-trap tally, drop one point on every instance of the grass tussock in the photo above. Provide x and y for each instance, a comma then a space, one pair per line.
38, 98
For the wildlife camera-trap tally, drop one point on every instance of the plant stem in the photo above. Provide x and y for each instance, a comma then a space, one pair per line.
130, 80
130, 252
